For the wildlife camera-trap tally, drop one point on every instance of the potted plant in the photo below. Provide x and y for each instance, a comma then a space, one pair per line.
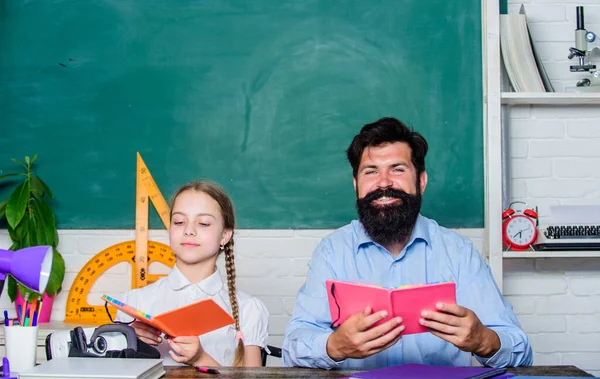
30, 221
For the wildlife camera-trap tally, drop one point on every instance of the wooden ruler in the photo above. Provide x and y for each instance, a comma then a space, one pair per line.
140, 253
146, 191
79, 311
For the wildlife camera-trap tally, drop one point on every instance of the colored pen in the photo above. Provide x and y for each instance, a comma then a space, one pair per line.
26, 321
207, 370
40, 307
19, 313
5, 318
34, 304
35, 316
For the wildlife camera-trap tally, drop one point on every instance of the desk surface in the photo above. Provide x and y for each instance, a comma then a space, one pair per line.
279, 372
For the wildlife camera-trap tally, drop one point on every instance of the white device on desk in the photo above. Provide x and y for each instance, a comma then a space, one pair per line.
97, 368
94, 341
568, 237
586, 41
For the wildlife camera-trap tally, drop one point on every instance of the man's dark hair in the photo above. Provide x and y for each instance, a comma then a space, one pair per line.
388, 130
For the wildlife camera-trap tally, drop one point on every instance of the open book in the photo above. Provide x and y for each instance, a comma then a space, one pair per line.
191, 320
347, 299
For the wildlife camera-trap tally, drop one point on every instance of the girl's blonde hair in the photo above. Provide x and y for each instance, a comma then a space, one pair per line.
218, 194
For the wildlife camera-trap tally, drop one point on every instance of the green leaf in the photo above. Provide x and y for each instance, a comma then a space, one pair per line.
17, 203
45, 219
37, 233
3, 208
41, 186
27, 160
21, 232
13, 236
11, 288
57, 275
18, 162
34, 158
43, 226
10, 175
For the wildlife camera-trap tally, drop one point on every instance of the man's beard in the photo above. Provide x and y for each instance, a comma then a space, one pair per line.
390, 223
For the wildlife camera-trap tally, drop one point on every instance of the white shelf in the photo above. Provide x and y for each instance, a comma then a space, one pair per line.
552, 254
550, 98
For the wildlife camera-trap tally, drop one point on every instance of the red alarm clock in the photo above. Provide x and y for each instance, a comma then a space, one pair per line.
519, 230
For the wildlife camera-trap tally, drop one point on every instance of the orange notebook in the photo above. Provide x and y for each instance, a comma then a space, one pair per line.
192, 320
346, 299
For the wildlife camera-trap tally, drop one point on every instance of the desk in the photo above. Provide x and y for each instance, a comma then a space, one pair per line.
279, 372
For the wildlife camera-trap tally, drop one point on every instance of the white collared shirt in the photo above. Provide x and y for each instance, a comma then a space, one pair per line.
175, 291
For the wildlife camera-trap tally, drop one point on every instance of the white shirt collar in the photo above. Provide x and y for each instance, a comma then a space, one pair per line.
210, 286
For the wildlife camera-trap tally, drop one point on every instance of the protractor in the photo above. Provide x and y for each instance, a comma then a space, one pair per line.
78, 309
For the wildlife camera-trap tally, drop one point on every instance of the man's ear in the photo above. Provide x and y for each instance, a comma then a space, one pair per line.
423, 180
227, 233
354, 182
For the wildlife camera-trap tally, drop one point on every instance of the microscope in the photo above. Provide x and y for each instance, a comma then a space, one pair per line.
586, 42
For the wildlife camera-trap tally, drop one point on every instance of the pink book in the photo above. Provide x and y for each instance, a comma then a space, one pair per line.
346, 299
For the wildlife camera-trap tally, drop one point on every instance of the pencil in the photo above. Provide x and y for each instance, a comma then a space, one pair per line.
40, 307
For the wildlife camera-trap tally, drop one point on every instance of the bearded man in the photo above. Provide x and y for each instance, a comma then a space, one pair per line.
392, 245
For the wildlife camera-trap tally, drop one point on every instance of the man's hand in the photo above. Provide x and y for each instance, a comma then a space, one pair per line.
185, 349
356, 339
146, 333
461, 327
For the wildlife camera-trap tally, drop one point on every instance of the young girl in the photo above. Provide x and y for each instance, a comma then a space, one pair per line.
202, 224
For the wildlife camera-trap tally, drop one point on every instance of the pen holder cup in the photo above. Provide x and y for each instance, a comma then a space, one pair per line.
21, 347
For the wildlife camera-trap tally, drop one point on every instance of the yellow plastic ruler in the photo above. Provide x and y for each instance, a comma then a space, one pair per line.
146, 190
140, 253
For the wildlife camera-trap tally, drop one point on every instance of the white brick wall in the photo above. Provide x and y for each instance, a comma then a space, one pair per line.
555, 159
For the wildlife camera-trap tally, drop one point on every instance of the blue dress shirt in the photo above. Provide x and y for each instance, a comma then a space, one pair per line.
432, 254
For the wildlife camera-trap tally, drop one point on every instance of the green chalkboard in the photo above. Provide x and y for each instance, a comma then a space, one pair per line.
262, 96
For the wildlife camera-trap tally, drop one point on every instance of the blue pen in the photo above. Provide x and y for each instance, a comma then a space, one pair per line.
34, 323
19, 312
5, 318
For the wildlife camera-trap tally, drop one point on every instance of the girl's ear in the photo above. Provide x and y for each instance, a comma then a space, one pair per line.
227, 233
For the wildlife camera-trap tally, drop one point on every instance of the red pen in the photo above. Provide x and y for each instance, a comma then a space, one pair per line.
207, 370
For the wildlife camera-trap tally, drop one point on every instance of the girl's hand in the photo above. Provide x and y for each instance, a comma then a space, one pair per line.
146, 333
186, 350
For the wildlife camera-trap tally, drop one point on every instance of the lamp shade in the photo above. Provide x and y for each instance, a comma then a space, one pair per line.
30, 266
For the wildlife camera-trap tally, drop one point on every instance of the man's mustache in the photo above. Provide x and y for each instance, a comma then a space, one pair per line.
388, 192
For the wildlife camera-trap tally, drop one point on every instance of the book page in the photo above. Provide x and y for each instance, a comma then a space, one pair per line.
409, 302
347, 299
